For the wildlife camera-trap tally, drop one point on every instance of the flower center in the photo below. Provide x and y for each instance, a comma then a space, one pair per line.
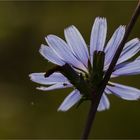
85, 83
95, 76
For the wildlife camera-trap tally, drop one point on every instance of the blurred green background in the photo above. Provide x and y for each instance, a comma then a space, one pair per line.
28, 113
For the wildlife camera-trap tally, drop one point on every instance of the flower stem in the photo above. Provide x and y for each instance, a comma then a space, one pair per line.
95, 103
90, 119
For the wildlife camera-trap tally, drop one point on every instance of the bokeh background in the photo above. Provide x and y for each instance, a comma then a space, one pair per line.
28, 113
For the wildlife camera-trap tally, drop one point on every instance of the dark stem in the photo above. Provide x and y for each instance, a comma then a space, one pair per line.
94, 105
90, 119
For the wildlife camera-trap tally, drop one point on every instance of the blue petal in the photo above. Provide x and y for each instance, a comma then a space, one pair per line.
50, 55
77, 44
55, 86
98, 35
130, 49
104, 103
70, 100
64, 51
128, 68
52, 79
124, 92
113, 44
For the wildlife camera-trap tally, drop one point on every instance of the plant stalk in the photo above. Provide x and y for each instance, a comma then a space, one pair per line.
95, 103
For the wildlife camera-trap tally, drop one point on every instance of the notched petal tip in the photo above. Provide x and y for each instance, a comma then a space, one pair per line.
42, 49
100, 18
42, 46
71, 26
46, 38
51, 37
103, 109
30, 76
39, 88
37, 78
121, 28
61, 110
48, 53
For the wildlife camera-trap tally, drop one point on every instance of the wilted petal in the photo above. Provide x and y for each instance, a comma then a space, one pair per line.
104, 103
98, 35
128, 68
63, 51
56, 86
70, 100
77, 44
130, 49
52, 79
50, 55
113, 44
124, 92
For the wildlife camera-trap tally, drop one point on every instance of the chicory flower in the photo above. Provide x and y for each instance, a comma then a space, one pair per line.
90, 61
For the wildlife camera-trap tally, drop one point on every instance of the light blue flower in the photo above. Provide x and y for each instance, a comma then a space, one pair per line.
77, 53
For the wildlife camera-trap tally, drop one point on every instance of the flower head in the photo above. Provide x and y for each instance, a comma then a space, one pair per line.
90, 63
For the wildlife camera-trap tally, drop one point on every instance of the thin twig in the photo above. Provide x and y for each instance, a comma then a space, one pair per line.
94, 105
